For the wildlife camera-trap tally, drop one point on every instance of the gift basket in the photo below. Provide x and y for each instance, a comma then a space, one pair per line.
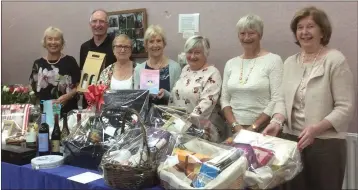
199, 164
131, 163
15, 119
90, 138
176, 120
135, 99
272, 160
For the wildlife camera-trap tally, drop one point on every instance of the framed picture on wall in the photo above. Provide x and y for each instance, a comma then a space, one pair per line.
132, 23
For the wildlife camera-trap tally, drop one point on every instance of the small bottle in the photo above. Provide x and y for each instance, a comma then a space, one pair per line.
43, 137
65, 131
92, 80
84, 81
56, 138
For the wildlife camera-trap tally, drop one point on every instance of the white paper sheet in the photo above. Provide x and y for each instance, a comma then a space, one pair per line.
188, 22
85, 177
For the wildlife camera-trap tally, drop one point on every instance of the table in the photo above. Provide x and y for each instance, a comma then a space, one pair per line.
24, 177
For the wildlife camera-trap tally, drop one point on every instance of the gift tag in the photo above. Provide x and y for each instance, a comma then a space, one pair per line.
110, 131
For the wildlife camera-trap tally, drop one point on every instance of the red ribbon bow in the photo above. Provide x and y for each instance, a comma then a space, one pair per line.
94, 95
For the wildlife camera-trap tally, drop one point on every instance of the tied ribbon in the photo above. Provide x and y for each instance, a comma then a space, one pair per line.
94, 95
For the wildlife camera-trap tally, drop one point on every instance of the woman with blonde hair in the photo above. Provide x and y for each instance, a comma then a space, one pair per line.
154, 43
56, 75
317, 103
119, 75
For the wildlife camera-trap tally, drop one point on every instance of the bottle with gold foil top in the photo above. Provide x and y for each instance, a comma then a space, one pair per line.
56, 137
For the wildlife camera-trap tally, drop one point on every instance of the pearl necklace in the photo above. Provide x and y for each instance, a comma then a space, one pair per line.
56, 61
304, 82
242, 82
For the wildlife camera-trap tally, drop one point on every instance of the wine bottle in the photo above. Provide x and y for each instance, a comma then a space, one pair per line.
65, 131
56, 138
84, 81
43, 137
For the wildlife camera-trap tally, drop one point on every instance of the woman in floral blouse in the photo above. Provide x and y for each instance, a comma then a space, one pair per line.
119, 75
56, 76
198, 87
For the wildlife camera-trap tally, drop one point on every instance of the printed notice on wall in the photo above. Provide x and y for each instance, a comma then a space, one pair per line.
189, 22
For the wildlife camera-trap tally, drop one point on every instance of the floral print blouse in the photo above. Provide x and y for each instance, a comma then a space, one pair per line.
50, 81
106, 76
197, 91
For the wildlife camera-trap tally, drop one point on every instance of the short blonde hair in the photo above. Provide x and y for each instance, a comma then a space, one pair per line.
50, 31
154, 30
251, 21
197, 42
121, 37
319, 17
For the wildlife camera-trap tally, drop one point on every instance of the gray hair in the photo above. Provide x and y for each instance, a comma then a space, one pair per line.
197, 42
101, 10
251, 21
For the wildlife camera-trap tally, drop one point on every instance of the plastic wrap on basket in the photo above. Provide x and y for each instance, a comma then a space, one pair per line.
135, 99
199, 164
15, 118
272, 160
177, 120
132, 161
72, 117
90, 139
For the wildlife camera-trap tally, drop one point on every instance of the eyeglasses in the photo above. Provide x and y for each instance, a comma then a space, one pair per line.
121, 47
102, 22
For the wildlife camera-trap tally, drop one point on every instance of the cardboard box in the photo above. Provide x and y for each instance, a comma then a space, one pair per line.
91, 70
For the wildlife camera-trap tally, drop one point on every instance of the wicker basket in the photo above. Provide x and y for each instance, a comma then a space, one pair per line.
127, 177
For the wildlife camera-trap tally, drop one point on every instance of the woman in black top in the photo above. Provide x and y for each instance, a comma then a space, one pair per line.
56, 76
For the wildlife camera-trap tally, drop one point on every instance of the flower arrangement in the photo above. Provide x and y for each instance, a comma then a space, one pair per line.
17, 94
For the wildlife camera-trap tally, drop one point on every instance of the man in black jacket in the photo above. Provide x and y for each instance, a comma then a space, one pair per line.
100, 42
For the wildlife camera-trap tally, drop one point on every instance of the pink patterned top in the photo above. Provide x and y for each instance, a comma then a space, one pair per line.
197, 91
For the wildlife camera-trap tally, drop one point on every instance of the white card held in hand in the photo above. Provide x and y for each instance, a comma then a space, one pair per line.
85, 177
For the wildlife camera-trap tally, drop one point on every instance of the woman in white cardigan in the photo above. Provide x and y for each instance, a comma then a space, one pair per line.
251, 80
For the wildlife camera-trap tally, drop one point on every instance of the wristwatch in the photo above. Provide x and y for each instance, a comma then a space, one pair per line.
233, 125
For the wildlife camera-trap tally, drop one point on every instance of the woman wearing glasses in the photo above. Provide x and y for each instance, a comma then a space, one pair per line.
119, 76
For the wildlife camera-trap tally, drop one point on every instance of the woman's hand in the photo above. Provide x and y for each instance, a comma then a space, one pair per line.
307, 136
237, 128
272, 129
160, 94
62, 99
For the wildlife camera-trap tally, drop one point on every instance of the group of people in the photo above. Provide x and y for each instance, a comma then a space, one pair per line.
311, 95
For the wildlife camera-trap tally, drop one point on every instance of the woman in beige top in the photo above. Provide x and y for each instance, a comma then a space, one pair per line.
318, 102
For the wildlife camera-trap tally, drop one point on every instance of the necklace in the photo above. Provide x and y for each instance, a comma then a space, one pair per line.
157, 66
128, 71
55, 62
242, 82
304, 82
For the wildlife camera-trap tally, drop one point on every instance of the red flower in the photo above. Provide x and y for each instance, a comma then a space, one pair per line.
11, 89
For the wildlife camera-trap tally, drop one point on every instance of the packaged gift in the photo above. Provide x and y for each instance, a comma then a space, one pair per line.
132, 161
135, 99
15, 121
91, 138
199, 164
276, 160
175, 119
